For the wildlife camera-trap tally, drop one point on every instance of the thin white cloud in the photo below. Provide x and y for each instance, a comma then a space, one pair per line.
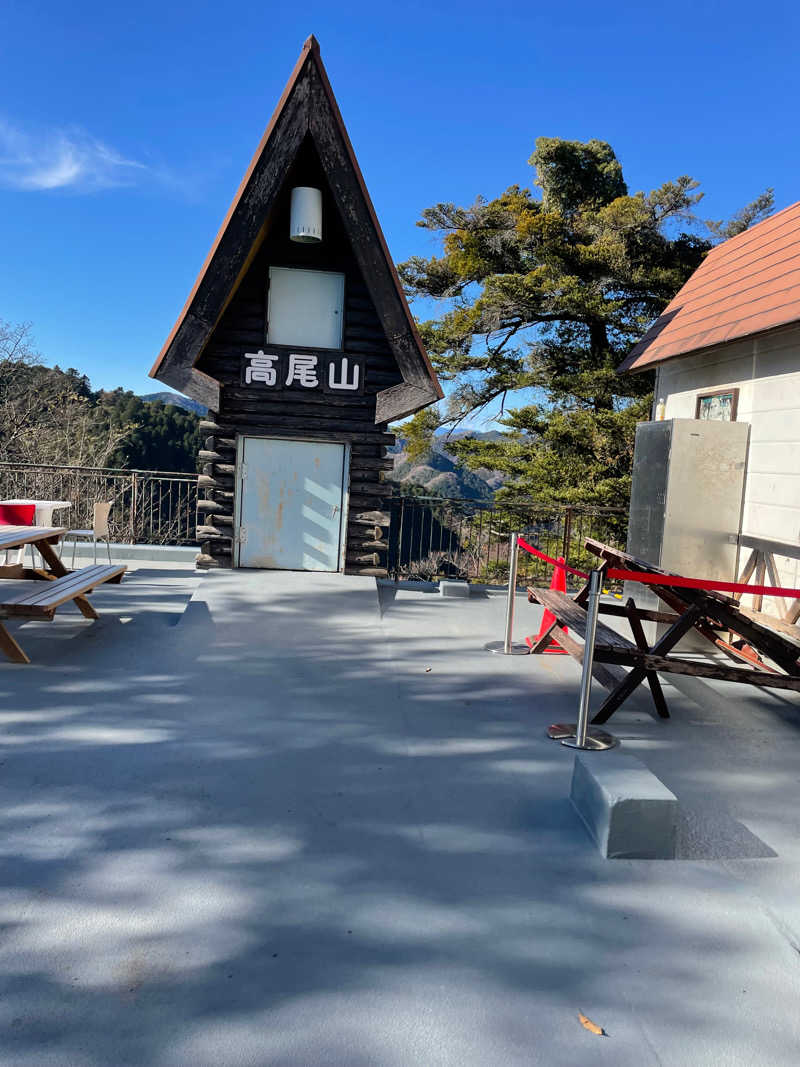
63, 159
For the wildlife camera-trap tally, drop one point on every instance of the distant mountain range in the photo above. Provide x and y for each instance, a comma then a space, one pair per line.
177, 401
441, 474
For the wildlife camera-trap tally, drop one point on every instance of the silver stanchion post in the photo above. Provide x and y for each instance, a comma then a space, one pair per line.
506, 647
581, 734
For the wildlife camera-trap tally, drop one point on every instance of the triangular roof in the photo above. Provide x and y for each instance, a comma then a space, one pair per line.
307, 107
748, 284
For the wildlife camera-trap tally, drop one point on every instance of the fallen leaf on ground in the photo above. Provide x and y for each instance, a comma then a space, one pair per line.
593, 1028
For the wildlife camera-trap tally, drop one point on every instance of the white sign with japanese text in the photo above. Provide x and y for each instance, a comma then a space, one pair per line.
273, 368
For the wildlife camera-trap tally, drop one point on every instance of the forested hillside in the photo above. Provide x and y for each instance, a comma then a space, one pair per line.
439, 472
49, 415
159, 436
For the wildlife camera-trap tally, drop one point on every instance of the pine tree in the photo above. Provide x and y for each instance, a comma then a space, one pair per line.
547, 293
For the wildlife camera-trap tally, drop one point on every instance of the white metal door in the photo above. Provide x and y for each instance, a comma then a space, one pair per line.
291, 498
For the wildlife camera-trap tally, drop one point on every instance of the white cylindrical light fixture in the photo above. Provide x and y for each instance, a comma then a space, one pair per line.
305, 223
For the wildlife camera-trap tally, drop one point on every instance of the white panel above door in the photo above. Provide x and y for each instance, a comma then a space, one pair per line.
305, 308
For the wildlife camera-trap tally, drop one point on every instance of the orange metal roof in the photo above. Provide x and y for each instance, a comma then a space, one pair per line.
746, 285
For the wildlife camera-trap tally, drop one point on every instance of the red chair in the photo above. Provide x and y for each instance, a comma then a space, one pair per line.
17, 514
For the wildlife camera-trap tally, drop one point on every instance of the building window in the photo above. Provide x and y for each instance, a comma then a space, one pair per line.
720, 405
305, 308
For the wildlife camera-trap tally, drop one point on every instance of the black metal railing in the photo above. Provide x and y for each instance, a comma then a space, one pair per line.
147, 507
429, 537
435, 537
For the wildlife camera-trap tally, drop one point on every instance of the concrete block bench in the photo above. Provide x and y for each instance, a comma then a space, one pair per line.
627, 810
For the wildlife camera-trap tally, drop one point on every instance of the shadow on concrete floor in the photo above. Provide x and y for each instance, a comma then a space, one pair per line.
282, 832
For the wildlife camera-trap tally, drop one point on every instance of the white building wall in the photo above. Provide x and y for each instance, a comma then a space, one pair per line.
766, 370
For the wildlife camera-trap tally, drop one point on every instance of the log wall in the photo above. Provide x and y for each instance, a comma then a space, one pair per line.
302, 415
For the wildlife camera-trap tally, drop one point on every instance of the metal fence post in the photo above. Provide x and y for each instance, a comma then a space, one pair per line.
399, 542
134, 495
506, 647
567, 534
580, 734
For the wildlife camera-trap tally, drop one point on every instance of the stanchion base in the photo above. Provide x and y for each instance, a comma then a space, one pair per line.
594, 743
561, 729
499, 649
597, 740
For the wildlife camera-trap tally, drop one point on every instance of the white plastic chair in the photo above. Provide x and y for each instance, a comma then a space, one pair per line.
99, 532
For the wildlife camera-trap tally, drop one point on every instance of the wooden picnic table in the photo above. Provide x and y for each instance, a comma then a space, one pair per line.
776, 639
50, 586
12, 537
706, 611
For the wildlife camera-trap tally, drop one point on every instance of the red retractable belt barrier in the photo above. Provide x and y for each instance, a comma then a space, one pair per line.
671, 579
549, 559
702, 583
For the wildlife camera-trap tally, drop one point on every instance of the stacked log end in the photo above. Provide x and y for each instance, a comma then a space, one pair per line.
367, 539
215, 494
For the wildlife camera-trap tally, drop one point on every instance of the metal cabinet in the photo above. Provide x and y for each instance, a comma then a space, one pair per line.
305, 308
687, 496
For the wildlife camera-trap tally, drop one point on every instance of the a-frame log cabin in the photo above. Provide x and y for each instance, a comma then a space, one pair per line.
298, 338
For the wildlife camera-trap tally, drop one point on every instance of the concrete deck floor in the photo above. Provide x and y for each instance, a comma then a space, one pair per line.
281, 819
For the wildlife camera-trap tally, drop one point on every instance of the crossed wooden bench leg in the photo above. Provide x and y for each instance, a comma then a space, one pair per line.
636, 675
614, 653
57, 568
9, 646
641, 642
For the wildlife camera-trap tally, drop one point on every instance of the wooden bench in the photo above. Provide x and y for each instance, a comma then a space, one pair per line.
776, 639
706, 611
610, 648
41, 601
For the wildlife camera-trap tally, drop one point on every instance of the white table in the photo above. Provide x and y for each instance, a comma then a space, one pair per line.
43, 516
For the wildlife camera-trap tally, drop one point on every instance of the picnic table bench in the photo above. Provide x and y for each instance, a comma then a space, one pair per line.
706, 611
769, 636
50, 587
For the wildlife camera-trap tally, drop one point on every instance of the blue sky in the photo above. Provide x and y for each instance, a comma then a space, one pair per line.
125, 129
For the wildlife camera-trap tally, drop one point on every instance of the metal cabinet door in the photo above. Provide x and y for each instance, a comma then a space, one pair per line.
305, 308
291, 498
